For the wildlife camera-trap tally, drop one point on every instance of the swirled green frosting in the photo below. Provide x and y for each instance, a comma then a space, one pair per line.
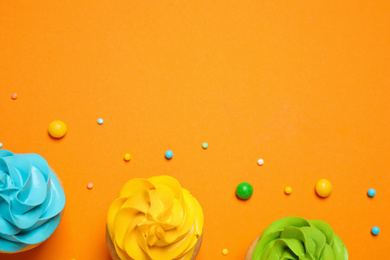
297, 238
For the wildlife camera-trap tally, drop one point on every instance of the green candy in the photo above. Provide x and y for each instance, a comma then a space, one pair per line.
244, 190
299, 239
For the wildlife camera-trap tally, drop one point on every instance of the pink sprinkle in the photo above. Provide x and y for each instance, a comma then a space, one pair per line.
90, 185
14, 96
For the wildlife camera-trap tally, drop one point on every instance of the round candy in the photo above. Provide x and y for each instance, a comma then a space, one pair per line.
168, 154
371, 193
260, 162
225, 251
323, 188
375, 231
288, 190
1, 145
205, 145
57, 129
100, 121
244, 190
90, 185
127, 157
14, 96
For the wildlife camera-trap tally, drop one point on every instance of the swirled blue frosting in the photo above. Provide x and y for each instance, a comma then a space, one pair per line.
31, 201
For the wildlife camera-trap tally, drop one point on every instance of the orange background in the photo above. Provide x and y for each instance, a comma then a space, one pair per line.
303, 84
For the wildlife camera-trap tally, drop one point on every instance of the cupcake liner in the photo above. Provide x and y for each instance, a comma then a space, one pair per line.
252, 248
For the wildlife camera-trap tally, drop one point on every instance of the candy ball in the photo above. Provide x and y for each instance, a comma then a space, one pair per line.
244, 190
100, 121
288, 190
375, 231
1, 145
90, 185
127, 157
14, 96
225, 251
260, 162
205, 145
57, 129
371, 193
168, 154
323, 188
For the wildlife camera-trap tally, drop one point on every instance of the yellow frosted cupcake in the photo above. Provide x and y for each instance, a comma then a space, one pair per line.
154, 219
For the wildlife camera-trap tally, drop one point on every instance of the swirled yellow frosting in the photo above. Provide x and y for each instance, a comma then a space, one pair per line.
155, 219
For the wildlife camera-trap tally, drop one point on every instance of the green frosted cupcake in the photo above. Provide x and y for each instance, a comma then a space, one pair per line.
297, 238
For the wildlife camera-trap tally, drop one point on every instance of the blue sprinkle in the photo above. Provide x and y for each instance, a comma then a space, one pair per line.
371, 193
100, 121
375, 231
1, 145
168, 154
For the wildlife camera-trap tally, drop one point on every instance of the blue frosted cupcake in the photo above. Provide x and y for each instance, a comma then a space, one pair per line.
31, 201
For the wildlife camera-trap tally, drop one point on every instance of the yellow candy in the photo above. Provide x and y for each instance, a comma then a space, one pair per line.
57, 129
323, 188
225, 251
288, 190
127, 157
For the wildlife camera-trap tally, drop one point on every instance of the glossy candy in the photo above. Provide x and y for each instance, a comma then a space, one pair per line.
127, 157
260, 162
244, 190
375, 230
371, 193
225, 251
169, 154
57, 129
100, 121
14, 96
323, 188
288, 190
205, 145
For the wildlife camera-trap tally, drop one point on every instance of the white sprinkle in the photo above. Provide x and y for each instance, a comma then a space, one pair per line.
260, 162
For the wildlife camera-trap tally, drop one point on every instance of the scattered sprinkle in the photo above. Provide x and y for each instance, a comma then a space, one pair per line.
14, 96
323, 188
57, 129
225, 251
205, 145
288, 190
127, 157
169, 154
1, 145
244, 190
375, 230
90, 185
100, 121
260, 162
371, 193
